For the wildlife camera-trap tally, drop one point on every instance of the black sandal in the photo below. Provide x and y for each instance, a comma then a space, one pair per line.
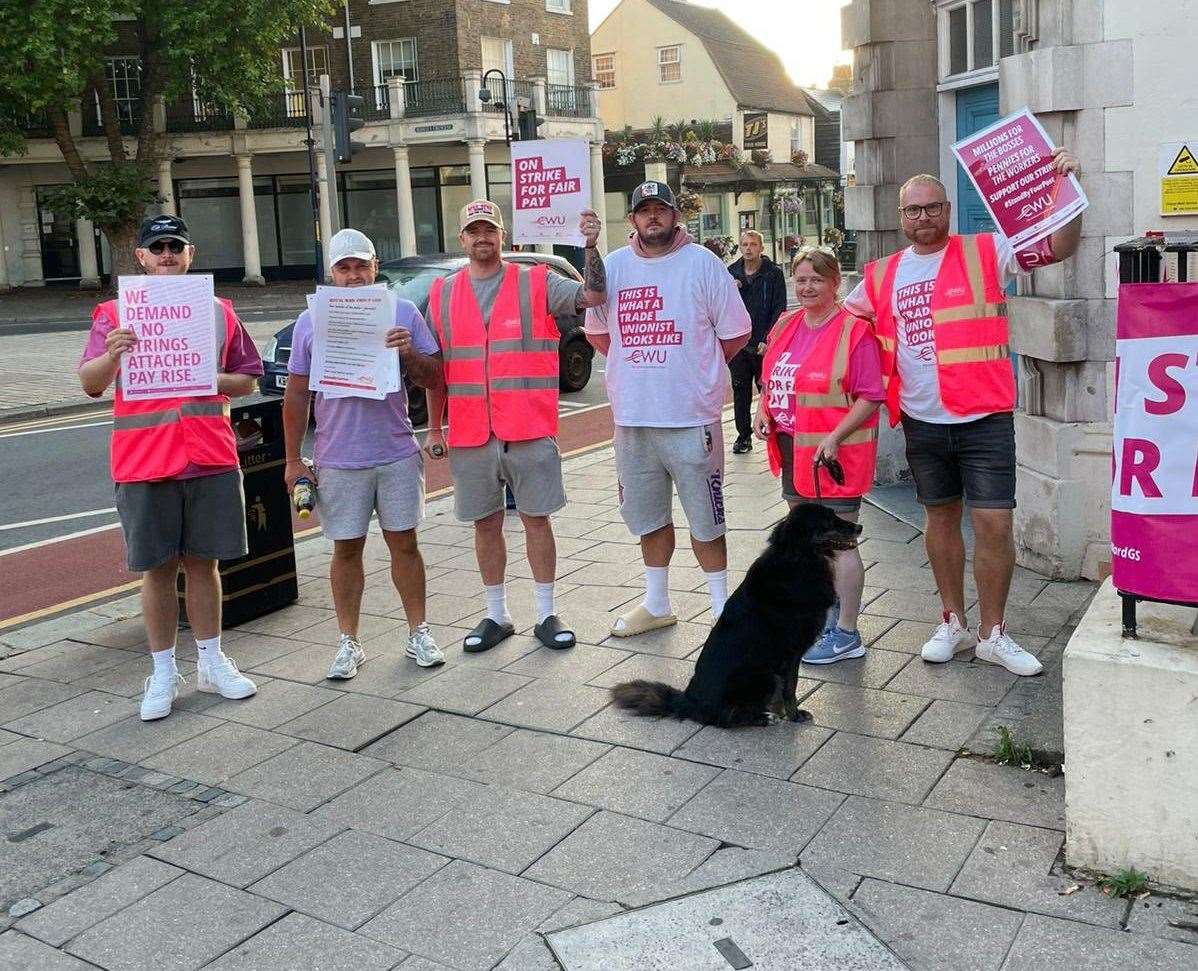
488, 634
549, 630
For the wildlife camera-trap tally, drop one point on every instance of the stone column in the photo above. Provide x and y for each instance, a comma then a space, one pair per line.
249, 221
598, 193
326, 219
404, 207
166, 187
476, 151
89, 272
396, 100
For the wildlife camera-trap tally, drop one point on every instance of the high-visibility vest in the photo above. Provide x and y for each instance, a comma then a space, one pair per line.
821, 402
153, 440
969, 328
501, 374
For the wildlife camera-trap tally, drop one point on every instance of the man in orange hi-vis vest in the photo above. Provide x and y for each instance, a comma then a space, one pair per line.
178, 480
940, 316
495, 323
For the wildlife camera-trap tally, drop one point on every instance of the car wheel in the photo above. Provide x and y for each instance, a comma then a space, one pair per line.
576, 358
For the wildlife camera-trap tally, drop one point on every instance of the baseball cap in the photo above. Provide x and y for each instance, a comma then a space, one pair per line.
162, 227
350, 244
653, 192
481, 210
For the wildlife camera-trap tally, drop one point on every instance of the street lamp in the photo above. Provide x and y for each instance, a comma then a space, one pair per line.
484, 95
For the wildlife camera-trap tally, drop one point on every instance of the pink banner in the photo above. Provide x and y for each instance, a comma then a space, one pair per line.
1154, 492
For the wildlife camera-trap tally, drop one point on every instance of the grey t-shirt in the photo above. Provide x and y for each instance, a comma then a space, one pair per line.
562, 293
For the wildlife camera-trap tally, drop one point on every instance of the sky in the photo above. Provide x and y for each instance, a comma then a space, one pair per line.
805, 33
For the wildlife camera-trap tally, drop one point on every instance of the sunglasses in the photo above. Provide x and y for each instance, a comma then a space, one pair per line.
931, 210
159, 246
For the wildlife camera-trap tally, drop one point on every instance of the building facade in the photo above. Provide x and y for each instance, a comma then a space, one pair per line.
1109, 79
433, 141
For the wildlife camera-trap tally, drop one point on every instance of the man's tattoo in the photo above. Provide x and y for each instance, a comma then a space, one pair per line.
594, 274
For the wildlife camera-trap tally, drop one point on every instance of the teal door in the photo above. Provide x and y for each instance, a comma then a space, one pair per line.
976, 108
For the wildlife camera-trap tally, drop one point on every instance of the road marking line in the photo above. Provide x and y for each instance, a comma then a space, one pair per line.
59, 428
86, 599
59, 539
58, 519
58, 419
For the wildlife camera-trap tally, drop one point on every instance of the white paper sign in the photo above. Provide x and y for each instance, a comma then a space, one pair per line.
174, 318
349, 353
551, 186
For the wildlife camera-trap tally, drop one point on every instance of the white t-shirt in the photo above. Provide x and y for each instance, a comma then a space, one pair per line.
914, 281
666, 317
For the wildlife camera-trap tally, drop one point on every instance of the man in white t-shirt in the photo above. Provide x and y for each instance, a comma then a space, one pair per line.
939, 311
672, 320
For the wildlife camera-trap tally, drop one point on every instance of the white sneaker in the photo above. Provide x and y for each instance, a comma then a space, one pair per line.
951, 638
161, 692
998, 648
225, 680
423, 649
349, 656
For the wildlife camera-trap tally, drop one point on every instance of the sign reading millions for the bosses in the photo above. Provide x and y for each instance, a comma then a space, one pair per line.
551, 186
1011, 165
174, 318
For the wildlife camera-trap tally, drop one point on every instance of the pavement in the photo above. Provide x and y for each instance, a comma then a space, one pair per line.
498, 813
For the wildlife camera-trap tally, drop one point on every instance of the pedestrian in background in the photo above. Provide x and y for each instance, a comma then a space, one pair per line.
823, 388
763, 289
178, 480
367, 461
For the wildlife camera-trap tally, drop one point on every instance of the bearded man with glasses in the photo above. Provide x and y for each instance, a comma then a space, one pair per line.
939, 312
178, 480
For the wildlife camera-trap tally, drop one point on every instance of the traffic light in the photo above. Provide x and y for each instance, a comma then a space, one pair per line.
347, 119
528, 123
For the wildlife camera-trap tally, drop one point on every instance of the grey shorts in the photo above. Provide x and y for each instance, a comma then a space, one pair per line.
347, 498
202, 517
532, 469
652, 462
791, 494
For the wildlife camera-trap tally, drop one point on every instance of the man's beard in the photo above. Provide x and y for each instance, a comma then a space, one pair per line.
657, 237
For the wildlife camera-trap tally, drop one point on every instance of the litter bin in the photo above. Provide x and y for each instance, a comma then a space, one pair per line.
264, 579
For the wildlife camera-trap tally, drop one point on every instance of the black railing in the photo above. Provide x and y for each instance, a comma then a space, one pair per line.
438, 96
188, 114
128, 113
31, 124
377, 102
516, 91
282, 110
568, 100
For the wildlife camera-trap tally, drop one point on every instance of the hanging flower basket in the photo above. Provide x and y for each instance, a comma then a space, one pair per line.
800, 158
690, 203
761, 156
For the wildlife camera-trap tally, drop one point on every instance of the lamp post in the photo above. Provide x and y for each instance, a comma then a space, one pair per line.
484, 95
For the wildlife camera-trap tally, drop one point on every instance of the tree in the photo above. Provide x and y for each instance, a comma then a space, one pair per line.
54, 55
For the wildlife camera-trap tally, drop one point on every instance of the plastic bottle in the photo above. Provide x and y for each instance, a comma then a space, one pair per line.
304, 496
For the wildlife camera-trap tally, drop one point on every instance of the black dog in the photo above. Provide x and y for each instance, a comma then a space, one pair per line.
749, 666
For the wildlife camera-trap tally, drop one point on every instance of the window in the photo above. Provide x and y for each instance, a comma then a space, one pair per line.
669, 64
318, 64
559, 67
712, 216
558, 6
123, 75
976, 33
603, 69
497, 55
395, 58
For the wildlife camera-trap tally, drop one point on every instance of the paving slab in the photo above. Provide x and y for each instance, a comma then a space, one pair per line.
580, 664
974, 683
895, 842
305, 776
774, 750
466, 916
132, 739
936, 932
610, 855
621, 727
782, 920
349, 879
73, 661
532, 761
171, 928
351, 722
875, 767
872, 671
220, 753
28, 753
398, 803
1032, 711
74, 717
681, 640
298, 941
557, 706
634, 783
246, 843
672, 671
1153, 916
864, 711
464, 690
1001, 792
506, 652
1047, 943
924, 608
904, 636
946, 724
21, 953
437, 741
275, 703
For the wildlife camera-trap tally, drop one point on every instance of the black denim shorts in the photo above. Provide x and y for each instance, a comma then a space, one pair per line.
974, 460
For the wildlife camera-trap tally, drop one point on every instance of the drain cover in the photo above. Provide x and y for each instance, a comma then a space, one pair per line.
777, 922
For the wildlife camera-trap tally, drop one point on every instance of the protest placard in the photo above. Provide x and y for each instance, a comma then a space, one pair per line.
551, 186
1011, 165
174, 318
349, 353
1154, 493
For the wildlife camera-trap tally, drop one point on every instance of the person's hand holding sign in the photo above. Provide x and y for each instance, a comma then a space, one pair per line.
400, 339
118, 341
1065, 162
589, 226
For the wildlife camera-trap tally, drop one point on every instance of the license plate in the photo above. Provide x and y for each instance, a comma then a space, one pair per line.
280, 381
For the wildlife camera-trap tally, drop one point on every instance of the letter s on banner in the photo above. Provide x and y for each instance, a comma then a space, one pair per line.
1154, 489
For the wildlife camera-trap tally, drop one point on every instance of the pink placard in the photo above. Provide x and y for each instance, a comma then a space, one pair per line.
1010, 164
1154, 491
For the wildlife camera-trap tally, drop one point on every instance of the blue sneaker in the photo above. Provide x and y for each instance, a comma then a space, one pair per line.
835, 645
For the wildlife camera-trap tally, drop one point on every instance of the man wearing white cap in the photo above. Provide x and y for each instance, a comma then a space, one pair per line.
366, 461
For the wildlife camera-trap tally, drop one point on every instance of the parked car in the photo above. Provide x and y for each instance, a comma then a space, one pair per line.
412, 277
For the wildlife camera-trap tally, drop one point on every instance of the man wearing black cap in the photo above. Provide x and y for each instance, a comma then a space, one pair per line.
178, 481
672, 320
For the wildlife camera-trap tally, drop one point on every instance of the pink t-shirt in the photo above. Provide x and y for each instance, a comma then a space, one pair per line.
863, 378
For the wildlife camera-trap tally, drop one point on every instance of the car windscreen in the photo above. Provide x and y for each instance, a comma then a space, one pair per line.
414, 283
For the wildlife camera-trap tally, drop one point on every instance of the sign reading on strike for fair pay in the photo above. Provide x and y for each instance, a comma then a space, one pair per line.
551, 186
1010, 163
174, 318
1154, 493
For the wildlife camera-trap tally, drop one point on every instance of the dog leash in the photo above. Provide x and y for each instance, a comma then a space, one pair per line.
835, 470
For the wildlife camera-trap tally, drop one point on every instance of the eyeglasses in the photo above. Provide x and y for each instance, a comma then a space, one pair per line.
176, 246
932, 210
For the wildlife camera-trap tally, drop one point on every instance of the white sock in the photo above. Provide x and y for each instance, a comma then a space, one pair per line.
164, 661
717, 586
542, 594
497, 604
208, 651
657, 590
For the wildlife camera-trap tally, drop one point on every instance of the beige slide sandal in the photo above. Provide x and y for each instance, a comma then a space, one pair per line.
640, 621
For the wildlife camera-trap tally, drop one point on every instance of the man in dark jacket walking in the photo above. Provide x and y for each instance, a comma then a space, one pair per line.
763, 289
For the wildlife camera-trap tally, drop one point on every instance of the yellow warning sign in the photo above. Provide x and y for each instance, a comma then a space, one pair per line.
1184, 164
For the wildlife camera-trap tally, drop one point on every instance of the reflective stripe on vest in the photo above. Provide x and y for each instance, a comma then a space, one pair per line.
151, 418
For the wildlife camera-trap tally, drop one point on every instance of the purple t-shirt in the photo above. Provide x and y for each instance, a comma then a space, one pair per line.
362, 433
